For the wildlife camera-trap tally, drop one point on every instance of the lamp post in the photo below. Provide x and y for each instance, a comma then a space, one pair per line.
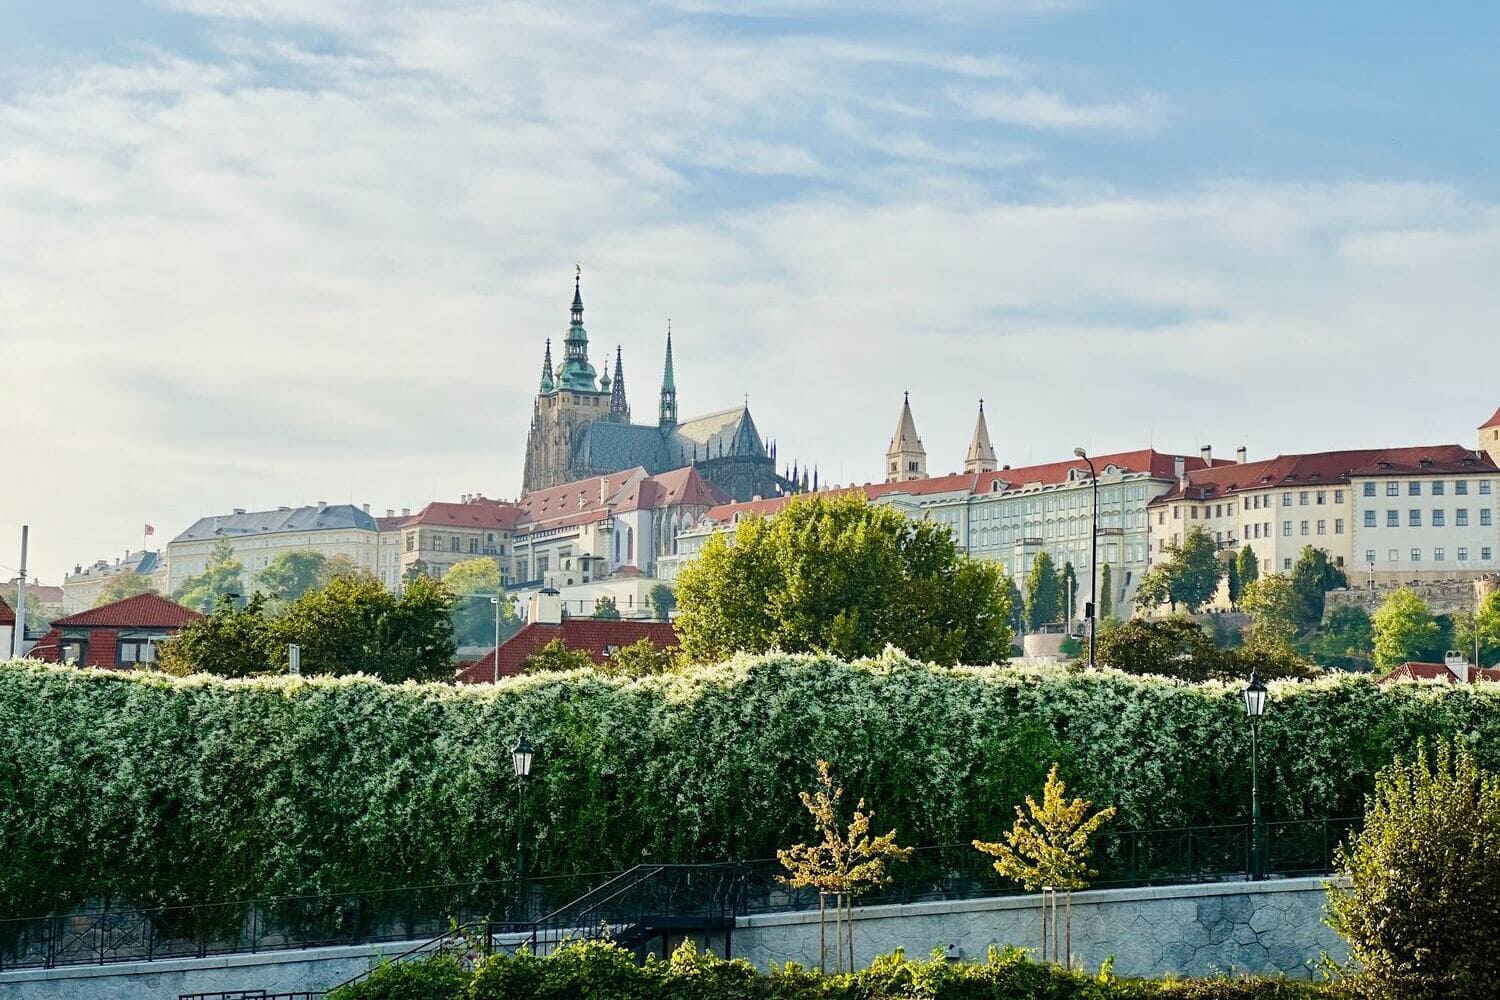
520, 758
1255, 707
496, 602
1091, 612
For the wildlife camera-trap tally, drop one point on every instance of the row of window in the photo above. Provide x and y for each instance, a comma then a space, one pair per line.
1437, 488
1439, 518
1306, 527
1439, 554
455, 543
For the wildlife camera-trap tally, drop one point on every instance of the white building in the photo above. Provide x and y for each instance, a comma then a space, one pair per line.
82, 587
258, 537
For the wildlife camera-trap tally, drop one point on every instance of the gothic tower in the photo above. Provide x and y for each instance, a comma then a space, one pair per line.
567, 401
668, 415
905, 459
981, 457
619, 408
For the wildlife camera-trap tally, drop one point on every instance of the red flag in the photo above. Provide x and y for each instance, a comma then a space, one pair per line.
149, 530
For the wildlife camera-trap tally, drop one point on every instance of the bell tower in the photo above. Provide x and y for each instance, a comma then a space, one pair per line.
905, 459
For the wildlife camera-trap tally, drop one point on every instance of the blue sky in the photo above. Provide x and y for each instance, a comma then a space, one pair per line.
277, 250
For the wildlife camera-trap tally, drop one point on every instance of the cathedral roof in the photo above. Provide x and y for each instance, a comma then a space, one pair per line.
728, 432
980, 449
604, 445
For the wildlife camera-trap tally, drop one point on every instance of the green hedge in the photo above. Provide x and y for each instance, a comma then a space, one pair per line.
147, 789
603, 970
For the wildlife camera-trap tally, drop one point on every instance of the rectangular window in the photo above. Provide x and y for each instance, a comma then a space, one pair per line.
1322, 496
1369, 519
1437, 554
1414, 488
1369, 555
1338, 496
1414, 518
1393, 555
1393, 489
1338, 526
1193, 511
1461, 487
1439, 518
1322, 526
1461, 517
1305, 528
1302, 498
1484, 487
1286, 499
1286, 563
1416, 555
1176, 513
1463, 553
1286, 529
1369, 489
1218, 510
1393, 519
1484, 554
1484, 516
1437, 487
411, 541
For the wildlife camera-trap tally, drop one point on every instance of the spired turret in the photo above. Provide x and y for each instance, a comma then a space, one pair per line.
981, 456
576, 373
905, 459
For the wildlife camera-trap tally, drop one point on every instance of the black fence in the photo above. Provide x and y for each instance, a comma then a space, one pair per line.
552, 908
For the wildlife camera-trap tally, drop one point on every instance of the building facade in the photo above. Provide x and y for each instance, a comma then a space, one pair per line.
581, 428
443, 534
82, 587
258, 537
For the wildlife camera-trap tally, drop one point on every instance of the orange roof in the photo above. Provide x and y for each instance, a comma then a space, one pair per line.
590, 635
1492, 422
1328, 467
7, 616
543, 507
667, 489
477, 513
141, 611
1414, 671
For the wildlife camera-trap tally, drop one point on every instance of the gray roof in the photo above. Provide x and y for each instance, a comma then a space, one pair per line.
728, 432
609, 446
264, 522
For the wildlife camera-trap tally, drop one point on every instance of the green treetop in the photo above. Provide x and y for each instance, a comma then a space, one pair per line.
127, 583
223, 574
1043, 595
291, 574
1404, 629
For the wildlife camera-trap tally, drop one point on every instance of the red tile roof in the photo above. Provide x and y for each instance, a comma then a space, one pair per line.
46, 647
1328, 467
559, 505
477, 513
590, 635
1413, 671
1492, 422
668, 489
140, 611
7, 616
44, 593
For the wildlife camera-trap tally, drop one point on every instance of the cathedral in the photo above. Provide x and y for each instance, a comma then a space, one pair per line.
580, 428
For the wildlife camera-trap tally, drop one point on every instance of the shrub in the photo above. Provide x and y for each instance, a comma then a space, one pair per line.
1424, 879
436, 978
148, 789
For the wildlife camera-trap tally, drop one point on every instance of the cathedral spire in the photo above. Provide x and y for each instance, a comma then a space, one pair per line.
905, 459
619, 408
981, 456
547, 383
668, 416
576, 372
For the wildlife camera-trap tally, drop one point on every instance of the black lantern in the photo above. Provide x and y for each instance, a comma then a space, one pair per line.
1255, 698
520, 758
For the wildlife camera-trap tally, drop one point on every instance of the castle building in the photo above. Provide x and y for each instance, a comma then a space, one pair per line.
581, 429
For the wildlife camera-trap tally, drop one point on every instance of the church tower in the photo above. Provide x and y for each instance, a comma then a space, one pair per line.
905, 459
1489, 438
981, 457
567, 401
668, 415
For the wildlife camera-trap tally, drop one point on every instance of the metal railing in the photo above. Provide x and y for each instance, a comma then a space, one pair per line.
640, 901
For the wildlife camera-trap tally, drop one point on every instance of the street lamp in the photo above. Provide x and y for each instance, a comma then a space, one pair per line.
520, 759
1255, 707
496, 602
1090, 611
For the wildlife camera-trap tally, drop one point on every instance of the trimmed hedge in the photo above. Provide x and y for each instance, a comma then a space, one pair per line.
150, 790
598, 969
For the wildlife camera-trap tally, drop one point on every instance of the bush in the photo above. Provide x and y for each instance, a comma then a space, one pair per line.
1424, 878
146, 789
436, 978
600, 969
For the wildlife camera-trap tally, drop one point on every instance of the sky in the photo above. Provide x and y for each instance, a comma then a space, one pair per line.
265, 252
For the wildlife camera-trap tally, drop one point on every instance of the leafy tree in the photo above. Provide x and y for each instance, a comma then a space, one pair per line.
832, 572
1067, 580
221, 575
1232, 582
1346, 639
843, 864
230, 642
1043, 595
662, 600
1106, 606
36, 618
1422, 876
1171, 647
1312, 577
1274, 604
642, 658
354, 625
126, 583
1404, 629
417, 570
1048, 845
1267, 656
473, 583
1155, 588
1483, 624
1247, 567
342, 564
555, 656
605, 609
1017, 604
1197, 570
292, 574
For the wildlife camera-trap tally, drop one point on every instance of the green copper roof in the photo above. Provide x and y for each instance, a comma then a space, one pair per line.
576, 373
547, 383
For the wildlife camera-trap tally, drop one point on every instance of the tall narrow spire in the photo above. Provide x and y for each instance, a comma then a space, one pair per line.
547, 382
668, 415
576, 372
619, 408
905, 459
981, 457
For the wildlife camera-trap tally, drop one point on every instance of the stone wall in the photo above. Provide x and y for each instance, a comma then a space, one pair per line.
1271, 927
1443, 596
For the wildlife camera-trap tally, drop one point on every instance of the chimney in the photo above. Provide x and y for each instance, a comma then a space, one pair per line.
544, 607
1458, 665
1207, 454
1240, 454
406, 512
366, 507
390, 512
322, 505
1179, 469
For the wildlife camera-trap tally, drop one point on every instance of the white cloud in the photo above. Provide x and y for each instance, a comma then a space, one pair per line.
1037, 108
